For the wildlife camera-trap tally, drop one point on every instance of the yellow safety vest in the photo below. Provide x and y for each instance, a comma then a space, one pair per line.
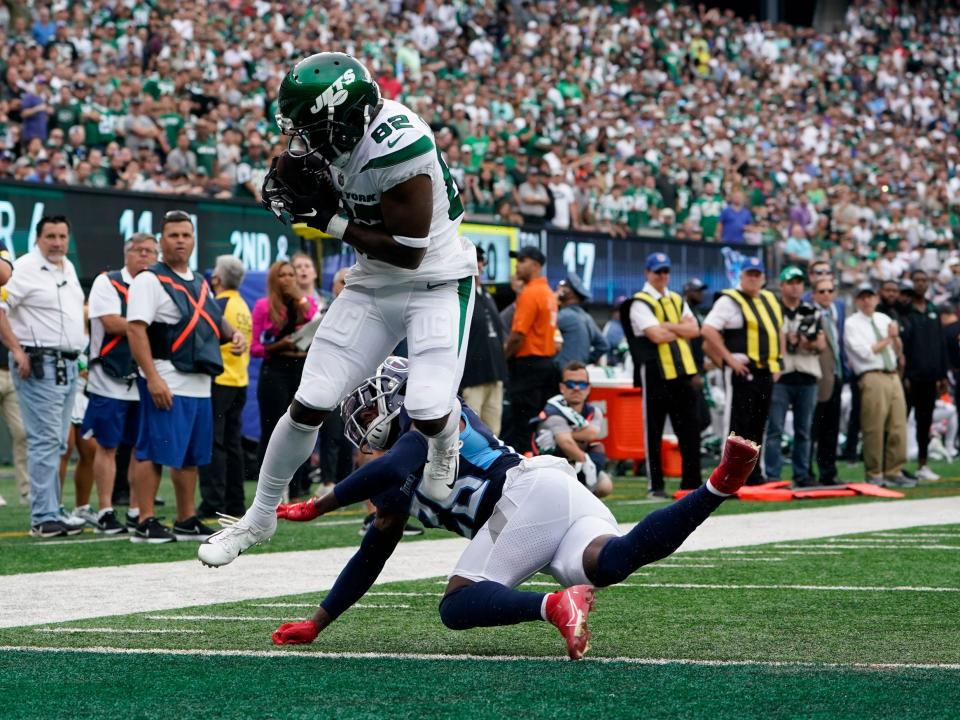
675, 358
759, 339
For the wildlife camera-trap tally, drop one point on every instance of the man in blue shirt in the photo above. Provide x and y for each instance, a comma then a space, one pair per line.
734, 219
582, 340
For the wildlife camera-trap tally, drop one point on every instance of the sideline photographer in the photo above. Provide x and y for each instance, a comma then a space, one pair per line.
803, 341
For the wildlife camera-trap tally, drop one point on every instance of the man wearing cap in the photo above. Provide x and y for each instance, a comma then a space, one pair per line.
796, 387
742, 333
582, 340
925, 365
531, 345
659, 327
872, 341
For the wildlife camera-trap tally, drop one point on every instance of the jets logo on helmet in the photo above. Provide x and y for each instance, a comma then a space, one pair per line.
334, 95
325, 104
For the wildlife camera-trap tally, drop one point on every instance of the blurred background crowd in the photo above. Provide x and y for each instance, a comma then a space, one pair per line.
681, 121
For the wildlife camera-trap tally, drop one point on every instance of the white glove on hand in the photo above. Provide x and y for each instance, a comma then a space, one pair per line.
589, 471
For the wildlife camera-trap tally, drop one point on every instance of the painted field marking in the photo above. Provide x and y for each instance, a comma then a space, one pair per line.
874, 546
57, 596
48, 543
780, 552
682, 565
252, 618
838, 588
335, 523
293, 654
905, 534
651, 501
119, 631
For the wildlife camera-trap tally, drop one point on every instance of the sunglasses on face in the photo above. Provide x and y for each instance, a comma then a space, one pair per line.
576, 384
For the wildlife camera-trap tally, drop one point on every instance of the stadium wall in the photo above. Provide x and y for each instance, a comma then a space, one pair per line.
102, 219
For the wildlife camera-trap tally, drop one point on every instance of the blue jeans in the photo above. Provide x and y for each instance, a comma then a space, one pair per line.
45, 408
803, 400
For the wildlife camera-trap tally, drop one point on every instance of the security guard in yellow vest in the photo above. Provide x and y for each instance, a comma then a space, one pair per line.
742, 332
659, 326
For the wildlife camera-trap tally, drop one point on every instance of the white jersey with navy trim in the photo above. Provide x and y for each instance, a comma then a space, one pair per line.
397, 146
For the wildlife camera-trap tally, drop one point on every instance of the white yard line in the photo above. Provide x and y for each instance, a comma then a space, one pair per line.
49, 543
64, 595
294, 654
118, 631
830, 588
680, 565
853, 545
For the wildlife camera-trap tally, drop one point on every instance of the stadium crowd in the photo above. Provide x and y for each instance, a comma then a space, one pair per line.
683, 122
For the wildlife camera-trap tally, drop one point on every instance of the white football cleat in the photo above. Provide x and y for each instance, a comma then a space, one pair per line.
440, 472
225, 546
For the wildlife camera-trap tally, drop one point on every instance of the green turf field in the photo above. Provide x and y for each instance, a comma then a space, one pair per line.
856, 626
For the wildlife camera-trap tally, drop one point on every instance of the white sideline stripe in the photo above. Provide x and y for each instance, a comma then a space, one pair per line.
119, 631
48, 543
779, 552
334, 523
862, 546
682, 565
293, 654
903, 535
252, 618
840, 588
77, 594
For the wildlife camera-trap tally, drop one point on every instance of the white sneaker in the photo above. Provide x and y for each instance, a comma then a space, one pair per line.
70, 520
224, 546
925, 474
2, 501
440, 472
87, 515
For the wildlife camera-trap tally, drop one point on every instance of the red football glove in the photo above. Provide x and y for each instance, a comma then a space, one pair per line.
736, 463
298, 512
296, 633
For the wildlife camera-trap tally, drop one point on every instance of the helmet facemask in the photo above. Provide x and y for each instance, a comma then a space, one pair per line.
371, 412
332, 139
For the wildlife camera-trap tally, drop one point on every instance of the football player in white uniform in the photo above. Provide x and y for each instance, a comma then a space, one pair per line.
366, 170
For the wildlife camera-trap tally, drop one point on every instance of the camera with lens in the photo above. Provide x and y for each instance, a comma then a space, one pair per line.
807, 325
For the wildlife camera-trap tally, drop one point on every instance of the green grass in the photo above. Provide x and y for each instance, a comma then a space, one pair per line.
825, 636
20, 553
147, 687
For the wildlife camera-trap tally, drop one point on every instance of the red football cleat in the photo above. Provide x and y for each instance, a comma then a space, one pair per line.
298, 512
736, 463
567, 610
295, 633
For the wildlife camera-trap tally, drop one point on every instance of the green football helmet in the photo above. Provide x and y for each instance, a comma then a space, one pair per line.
326, 103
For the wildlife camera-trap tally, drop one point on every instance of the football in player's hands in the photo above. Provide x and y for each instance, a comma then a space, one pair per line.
295, 633
298, 512
301, 174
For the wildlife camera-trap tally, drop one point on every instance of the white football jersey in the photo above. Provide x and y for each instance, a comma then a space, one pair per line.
397, 146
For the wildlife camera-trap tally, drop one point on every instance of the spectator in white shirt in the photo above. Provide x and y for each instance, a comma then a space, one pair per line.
872, 341
43, 327
113, 413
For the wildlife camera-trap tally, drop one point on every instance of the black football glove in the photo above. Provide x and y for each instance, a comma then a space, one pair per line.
299, 188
